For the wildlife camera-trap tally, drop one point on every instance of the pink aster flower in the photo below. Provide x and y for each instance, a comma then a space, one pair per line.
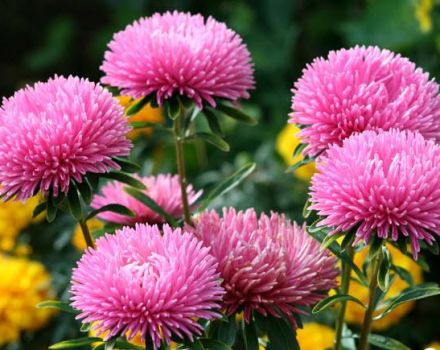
381, 183
266, 263
164, 189
179, 53
57, 131
139, 281
363, 88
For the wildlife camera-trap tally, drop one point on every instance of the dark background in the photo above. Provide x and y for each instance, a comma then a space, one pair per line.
46, 37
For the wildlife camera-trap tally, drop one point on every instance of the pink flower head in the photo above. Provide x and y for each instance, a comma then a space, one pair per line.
138, 281
381, 183
363, 88
57, 131
164, 189
179, 53
267, 263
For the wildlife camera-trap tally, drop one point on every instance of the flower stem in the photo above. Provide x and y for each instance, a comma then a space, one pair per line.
87, 236
345, 284
368, 318
180, 159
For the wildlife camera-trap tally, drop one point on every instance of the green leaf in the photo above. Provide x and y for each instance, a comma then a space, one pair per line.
409, 294
85, 190
227, 331
213, 122
348, 239
236, 114
383, 342
403, 274
298, 149
59, 305
173, 108
136, 107
306, 211
433, 248
375, 248
124, 178
142, 125
150, 203
110, 344
330, 239
319, 233
114, 208
39, 209
281, 335
227, 184
383, 277
75, 207
85, 327
250, 335
304, 161
214, 344
51, 209
127, 166
213, 139
125, 345
327, 302
73, 343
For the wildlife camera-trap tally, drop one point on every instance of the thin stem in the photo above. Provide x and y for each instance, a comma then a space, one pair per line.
345, 284
87, 235
180, 159
368, 318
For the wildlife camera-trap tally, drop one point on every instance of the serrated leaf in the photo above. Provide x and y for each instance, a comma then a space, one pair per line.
124, 178
410, 294
334, 299
137, 106
227, 184
114, 208
127, 166
73, 343
150, 203
213, 122
387, 343
59, 305
236, 114
213, 139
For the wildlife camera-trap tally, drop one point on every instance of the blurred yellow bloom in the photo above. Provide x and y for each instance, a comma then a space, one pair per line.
14, 217
78, 238
23, 284
315, 336
146, 114
423, 14
355, 313
433, 346
286, 143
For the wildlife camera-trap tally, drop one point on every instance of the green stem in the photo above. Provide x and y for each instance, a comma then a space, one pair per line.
180, 159
87, 235
368, 318
345, 284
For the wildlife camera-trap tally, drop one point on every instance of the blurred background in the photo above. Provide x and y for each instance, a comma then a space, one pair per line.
47, 37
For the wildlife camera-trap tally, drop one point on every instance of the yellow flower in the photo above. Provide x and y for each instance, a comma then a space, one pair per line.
146, 114
433, 346
315, 336
14, 217
286, 143
23, 284
78, 238
423, 14
355, 313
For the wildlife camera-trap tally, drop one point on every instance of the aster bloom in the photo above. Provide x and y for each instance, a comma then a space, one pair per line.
164, 189
57, 131
363, 88
266, 263
380, 183
180, 53
139, 281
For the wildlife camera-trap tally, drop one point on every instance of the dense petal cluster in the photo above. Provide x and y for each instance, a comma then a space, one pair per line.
179, 53
57, 131
139, 281
355, 313
164, 189
363, 88
266, 263
381, 183
23, 284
